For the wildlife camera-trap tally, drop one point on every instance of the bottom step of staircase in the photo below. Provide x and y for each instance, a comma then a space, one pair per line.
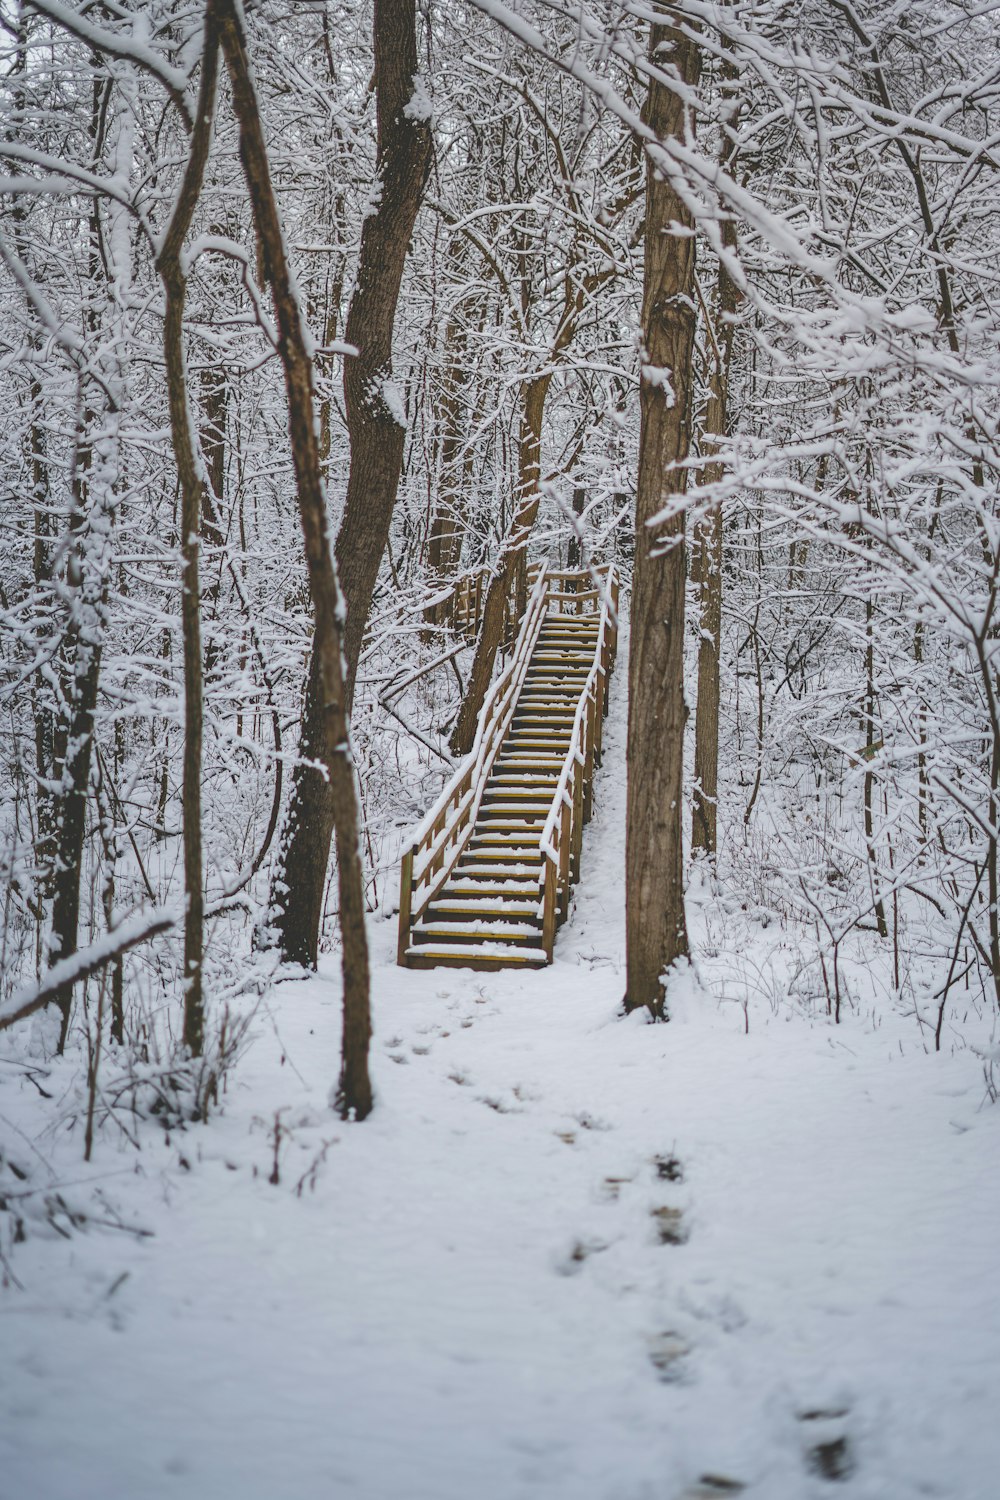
474, 956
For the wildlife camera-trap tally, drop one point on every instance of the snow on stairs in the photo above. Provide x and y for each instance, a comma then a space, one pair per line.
484, 893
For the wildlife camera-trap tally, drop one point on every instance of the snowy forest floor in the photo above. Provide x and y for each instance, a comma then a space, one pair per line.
570, 1256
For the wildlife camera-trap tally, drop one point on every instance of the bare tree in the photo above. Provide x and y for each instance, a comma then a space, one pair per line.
191, 472
375, 425
355, 1093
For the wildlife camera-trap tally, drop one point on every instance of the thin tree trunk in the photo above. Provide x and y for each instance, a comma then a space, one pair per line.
354, 1094
376, 437
190, 472
708, 546
445, 534
869, 784
86, 580
707, 573
656, 933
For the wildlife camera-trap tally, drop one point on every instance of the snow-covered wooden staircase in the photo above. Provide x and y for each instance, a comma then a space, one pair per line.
486, 880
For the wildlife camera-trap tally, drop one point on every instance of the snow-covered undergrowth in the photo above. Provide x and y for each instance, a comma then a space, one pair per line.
570, 1256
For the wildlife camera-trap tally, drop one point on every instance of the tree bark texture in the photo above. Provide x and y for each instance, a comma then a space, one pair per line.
656, 933
354, 1095
376, 438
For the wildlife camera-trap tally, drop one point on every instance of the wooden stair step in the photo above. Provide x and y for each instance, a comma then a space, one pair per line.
455, 910
543, 713
518, 779
518, 794
501, 848
522, 934
508, 767
513, 817
491, 870
516, 888
507, 828
553, 745
502, 854
473, 956
522, 818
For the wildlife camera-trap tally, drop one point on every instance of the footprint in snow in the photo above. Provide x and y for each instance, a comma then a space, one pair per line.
669, 1225
667, 1351
826, 1444
499, 1105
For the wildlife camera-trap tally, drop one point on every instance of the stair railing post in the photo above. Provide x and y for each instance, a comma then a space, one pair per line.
550, 897
588, 765
577, 823
565, 840
405, 904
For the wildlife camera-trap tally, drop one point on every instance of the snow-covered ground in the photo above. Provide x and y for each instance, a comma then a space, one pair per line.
569, 1257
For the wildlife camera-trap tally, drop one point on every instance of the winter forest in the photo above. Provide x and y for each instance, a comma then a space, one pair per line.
499, 749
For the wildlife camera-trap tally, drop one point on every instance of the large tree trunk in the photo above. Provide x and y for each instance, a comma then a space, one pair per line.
376, 436
656, 934
354, 1095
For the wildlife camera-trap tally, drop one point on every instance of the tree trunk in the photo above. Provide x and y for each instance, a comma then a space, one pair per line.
709, 533
656, 933
190, 472
354, 1094
86, 580
376, 437
445, 533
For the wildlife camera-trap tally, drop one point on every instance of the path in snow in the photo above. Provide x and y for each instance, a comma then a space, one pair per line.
570, 1257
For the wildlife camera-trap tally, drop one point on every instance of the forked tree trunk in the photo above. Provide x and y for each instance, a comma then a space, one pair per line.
354, 1094
656, 933
376, 437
